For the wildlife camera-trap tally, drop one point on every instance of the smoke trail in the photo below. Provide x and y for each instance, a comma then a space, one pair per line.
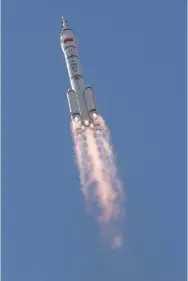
84, 165
100, 183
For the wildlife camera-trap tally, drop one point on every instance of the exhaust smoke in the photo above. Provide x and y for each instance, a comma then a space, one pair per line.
101, 186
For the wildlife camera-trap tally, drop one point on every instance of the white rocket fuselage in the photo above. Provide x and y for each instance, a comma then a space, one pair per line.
80, 97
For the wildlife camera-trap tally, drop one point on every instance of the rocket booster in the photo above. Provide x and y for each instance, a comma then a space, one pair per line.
80, 97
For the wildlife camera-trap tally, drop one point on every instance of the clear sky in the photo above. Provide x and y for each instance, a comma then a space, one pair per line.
133, 53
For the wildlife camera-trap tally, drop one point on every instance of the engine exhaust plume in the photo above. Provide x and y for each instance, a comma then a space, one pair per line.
100, 183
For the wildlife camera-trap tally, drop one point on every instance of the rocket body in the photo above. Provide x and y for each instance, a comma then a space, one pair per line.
80, 97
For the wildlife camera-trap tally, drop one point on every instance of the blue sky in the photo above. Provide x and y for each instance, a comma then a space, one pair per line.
133, 53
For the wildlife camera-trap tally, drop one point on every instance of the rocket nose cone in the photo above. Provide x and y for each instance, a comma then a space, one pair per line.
64, 22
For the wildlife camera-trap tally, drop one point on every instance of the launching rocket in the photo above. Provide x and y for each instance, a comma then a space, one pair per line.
81, 100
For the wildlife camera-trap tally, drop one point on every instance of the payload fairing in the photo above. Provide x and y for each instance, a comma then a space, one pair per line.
80, 97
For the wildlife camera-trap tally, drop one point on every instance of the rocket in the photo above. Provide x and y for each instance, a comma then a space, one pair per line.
81, 99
